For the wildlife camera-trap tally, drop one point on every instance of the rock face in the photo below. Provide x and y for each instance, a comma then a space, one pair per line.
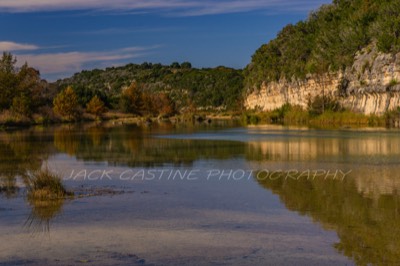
370, 86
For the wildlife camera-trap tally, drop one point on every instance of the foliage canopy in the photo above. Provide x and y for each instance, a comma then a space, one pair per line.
327, 41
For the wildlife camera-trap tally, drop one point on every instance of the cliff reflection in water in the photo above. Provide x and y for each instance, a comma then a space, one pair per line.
313, 145
367, 227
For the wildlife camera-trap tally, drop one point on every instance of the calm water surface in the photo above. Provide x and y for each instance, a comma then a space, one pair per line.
203, 195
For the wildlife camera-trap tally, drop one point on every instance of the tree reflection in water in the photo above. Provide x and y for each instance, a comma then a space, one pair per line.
368, 228
24, 151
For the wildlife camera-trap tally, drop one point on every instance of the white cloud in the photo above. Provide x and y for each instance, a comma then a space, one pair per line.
70, 62
177, 7
12, 46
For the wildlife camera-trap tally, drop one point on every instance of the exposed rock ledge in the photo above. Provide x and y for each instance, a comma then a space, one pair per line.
370, 86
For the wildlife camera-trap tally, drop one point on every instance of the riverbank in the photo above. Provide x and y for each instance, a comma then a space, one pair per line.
286, 115
10, 120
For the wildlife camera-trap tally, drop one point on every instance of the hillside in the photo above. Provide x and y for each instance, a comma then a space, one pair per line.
211, 88
347, 52
327, 41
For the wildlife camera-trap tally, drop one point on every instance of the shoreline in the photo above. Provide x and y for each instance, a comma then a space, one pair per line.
328, 120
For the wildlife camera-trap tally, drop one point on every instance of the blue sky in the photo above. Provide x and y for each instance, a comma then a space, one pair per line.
63, 37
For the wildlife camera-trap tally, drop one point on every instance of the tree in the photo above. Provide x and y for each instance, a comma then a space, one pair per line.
96, 107
20, 86
22, 105
8, 80
163, 104
186, 65
131, 99
175, 65
387, 28
148, 104
7, 63
66, 104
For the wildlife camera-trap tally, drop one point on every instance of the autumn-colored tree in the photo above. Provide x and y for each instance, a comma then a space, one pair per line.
163, 104
148, 104
96, 107
131, 99
66, 104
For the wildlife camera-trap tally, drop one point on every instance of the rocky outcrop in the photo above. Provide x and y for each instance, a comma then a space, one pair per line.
370, 86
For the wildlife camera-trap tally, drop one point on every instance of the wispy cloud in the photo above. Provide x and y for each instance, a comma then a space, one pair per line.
176, 7
12, 46
49, 5
124, 31
70, 62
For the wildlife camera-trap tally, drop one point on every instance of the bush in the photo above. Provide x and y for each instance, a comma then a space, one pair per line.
321, 104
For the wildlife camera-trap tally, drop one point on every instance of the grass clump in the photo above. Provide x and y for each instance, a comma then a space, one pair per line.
45, 185
393, 83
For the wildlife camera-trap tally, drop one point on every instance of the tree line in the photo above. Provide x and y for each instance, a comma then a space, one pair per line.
143, 90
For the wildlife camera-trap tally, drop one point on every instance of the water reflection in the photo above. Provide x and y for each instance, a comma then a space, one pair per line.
20, 152
367, 227
42, 212
364, 210
270, 143
137, 147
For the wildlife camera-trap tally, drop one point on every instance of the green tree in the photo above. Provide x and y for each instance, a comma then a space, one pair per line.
22, 105
66, 104
7, 63
387, 28
20, 86
186, 65
175, 65
8, 80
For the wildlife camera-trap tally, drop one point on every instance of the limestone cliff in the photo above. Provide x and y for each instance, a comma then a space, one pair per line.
370, 86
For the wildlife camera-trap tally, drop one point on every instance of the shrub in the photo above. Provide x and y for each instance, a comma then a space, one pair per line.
393, 82
321, 104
